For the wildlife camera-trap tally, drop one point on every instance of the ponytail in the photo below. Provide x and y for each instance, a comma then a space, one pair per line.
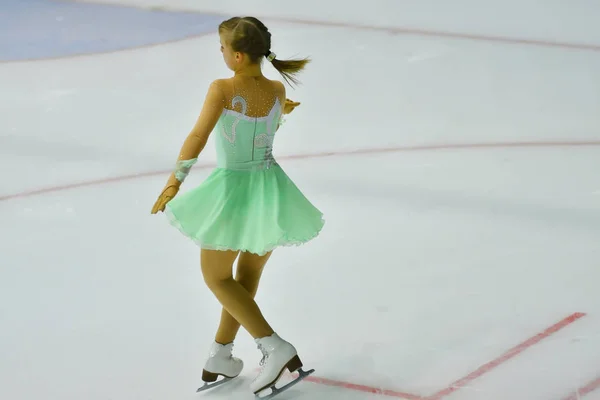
289, 68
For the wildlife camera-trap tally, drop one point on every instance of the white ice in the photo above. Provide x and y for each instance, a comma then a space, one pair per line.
431, 263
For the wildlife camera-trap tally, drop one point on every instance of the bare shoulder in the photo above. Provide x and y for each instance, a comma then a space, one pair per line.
220, 84
279, 89
219, 89
279, 86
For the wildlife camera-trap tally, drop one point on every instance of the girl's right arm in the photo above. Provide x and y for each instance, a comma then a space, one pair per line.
193, 144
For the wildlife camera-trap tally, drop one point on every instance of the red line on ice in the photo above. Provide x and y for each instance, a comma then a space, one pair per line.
506, 356
448, 146
348, 25
363, 388
433, 33
587, 389
455, 386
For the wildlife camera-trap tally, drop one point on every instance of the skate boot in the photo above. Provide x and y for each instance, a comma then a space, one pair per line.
220, 363
278, 355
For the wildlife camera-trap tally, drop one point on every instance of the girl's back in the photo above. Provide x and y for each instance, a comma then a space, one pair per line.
253, 96
252, 109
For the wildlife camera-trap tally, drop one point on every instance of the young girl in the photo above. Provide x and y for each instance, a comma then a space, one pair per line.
248, 206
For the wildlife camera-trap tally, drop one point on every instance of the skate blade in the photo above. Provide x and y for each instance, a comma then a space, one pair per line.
275, 391
213, 384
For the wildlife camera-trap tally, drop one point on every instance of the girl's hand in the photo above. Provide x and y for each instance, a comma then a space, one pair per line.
166, 195
289, 106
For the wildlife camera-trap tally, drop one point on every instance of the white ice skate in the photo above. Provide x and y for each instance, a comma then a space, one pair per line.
278, 355
220, 363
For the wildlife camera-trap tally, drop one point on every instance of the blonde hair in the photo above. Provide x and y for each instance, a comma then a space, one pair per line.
249, 35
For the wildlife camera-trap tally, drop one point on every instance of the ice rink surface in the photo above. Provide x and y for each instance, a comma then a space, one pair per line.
453, 148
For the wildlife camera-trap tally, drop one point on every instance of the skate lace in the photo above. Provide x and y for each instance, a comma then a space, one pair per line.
231, 352
217, 351
265, 355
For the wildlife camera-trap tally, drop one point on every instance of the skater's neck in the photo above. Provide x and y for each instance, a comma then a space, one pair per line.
251, 70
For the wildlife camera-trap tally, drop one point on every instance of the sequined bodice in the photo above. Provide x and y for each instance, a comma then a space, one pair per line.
244, 142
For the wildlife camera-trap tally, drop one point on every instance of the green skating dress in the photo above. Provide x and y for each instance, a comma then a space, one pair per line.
248, 202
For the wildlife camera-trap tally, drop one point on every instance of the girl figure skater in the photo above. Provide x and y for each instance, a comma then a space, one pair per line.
247, 206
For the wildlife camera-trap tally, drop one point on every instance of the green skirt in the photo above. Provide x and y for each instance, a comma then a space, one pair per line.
251, 211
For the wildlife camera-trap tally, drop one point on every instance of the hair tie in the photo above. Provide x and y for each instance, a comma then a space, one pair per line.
270, 55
